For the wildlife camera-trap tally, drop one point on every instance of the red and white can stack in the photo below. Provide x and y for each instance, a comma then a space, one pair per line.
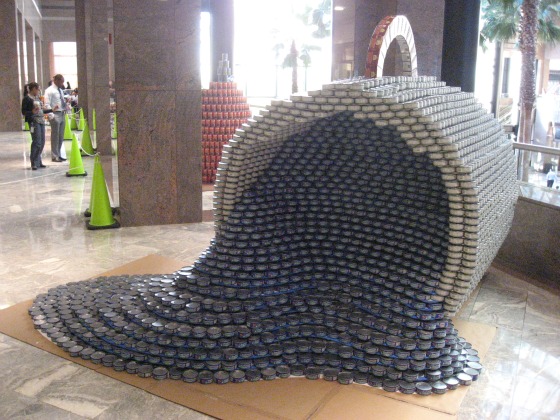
224, 109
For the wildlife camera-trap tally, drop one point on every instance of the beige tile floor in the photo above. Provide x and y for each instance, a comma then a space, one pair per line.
43, 243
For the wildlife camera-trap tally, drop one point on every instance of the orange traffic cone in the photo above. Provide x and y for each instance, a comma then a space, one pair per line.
76, 164
100, 206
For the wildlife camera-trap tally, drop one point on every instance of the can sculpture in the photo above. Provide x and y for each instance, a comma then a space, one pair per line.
351, 224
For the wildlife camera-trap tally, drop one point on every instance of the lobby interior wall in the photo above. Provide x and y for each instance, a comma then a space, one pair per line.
426, 19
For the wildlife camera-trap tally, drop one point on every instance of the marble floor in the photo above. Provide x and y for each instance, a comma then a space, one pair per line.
43, 243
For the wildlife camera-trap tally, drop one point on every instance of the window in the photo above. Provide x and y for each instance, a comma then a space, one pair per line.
265, 31
65, 62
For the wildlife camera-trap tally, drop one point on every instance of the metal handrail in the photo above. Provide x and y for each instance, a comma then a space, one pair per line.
536, 148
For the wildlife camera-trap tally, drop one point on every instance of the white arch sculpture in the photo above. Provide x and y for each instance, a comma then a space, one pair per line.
389, 29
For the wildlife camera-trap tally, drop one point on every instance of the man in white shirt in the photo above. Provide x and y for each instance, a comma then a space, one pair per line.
54, 96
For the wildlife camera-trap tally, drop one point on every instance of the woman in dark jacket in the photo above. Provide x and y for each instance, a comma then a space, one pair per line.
32, 109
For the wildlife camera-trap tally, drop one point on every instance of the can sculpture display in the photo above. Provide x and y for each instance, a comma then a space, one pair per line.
224, 109
351, 224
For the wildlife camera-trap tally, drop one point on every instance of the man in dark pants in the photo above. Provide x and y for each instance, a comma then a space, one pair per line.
54, 96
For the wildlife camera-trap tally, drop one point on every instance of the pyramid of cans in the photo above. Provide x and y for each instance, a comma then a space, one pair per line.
224, 109
351, 224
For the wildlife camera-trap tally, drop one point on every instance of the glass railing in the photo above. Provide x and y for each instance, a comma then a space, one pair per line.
537, 172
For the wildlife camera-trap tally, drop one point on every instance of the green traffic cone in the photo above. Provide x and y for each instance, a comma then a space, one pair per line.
73, 124
67, 131
94, 122
93, 193
114, 132
26, 126
87, 147
76, 164
81, 124
100, 205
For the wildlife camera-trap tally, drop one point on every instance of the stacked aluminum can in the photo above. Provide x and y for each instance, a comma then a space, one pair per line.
351, 224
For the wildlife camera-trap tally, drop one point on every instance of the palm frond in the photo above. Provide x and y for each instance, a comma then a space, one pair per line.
548, 32
501, 20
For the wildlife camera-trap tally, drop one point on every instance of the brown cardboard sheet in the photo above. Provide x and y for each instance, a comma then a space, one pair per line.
294, 398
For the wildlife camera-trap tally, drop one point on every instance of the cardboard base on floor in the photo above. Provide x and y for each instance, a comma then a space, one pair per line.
293, 398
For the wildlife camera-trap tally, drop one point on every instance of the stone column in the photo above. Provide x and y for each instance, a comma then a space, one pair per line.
9, 88
100, 79
460, 43
157, 81
39, 62
30, 42
83, 19
22, 50
46, 63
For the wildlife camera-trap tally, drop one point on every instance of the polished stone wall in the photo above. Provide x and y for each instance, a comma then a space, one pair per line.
83, 33
20, 30
100, 64
533, 244
157, 84
426, 19
30, 53
9, 88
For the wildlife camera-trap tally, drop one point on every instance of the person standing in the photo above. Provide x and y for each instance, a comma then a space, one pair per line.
54, 97
550, 178
32, 109
74, 100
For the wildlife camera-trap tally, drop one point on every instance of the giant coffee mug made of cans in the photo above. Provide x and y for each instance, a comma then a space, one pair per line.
351, 224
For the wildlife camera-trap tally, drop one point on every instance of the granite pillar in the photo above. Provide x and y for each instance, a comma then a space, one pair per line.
157, 82
100, 89
426, 19
100, 76
460, 43
30, 44
22, 50
39, 61
46, 63
83, 20
9, 71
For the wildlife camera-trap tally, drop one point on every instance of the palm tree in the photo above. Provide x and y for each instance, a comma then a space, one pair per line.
291, 60
319, 18
528, 45
305, 58
525, 22
277, 48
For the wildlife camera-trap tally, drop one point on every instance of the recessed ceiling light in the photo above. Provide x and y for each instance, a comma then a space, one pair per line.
339, 8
